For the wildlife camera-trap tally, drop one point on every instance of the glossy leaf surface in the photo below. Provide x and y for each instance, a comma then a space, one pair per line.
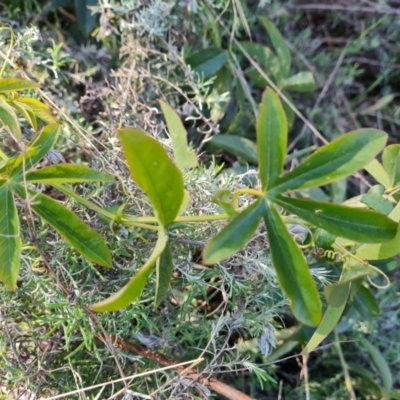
334, 161
272, 133
75, 232
66, 173
184, 157
154, 172
133, 289
352, 223
10, 242
235, 235
293, 274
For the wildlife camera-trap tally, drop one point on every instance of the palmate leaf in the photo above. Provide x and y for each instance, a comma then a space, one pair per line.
235, 235
66, 173
38, 108
293, 273
154, 172
352, 223
26, 112
272, 133
334, 161
10, 241
133, 289
75, 232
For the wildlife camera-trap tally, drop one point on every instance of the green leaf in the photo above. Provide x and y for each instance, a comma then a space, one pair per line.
241, 147
365, 304
363, 226
8, 85
376, 170
26, 112
133, 289
154, 172
377, 203
75, 232
10, 241
293, 274
235, 235
66, 173
224, 200
9, 119
86, 19
337, 294
380, 364
272, 133
290, 115
39, 109
391, 163
208, 62
334, 161
280, 46
267, 61
37, 148
302, 82
384, 250
329, 321
381, 103
184, 157
164, 267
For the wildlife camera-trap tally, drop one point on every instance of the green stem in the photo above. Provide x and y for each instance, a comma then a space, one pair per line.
346, 374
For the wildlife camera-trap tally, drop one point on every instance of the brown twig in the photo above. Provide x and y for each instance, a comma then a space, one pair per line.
211, 383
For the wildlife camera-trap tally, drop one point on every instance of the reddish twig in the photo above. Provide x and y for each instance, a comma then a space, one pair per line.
211, 383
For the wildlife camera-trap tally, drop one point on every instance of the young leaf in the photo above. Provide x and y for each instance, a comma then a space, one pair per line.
133, 289
66, 173
164, 267
208, 62
391, 163
10, 242
360, 225
154, 172
8, 85
241, 147
9, 119
75, 232
334, 161
235, 235
184, 157
302, 82
377, 203
38, 108
37, 148
272, 133
291, 268
280, 46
